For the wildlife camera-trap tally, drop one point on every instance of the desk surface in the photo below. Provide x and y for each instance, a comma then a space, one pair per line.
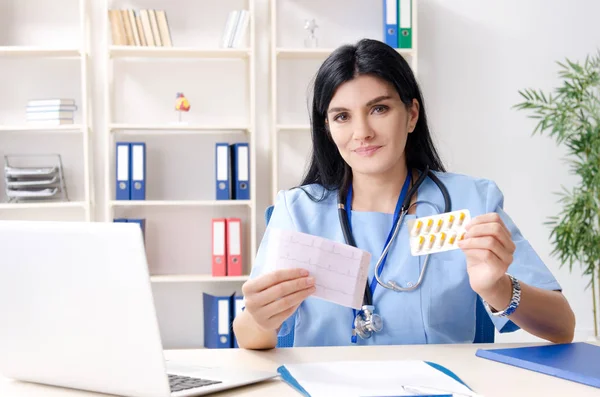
486, 377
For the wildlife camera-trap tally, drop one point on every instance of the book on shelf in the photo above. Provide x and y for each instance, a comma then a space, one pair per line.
144, 28
53, 111
235, 28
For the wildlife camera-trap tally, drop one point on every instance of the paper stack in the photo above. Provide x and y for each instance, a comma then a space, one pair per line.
51, 111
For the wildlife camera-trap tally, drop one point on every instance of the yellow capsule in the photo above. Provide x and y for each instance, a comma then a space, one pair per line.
429, 225
452, 239
439, 225
461, 218
442, 239
431, 240
462, 236
421, 242
450, 221
417, 228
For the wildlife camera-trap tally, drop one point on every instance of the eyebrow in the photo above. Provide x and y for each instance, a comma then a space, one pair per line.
371, 102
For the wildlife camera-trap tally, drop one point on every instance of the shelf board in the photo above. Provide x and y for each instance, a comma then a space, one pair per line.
38, 52
308, 53
43, 205
65, 128
194, 278
167, 129
176, 52
179, 203
283, 127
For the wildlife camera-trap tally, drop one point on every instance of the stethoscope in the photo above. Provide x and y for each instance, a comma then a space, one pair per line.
366, 321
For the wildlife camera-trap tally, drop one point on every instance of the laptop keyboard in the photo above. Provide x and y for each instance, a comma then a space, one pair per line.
179, 383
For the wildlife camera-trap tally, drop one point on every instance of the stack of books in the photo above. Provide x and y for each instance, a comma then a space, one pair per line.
53, 111
149, 28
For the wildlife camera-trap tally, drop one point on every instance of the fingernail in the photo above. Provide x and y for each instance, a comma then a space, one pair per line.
310, 281
304, 272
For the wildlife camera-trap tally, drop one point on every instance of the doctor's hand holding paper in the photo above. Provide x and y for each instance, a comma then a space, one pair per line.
374, 168
271, 299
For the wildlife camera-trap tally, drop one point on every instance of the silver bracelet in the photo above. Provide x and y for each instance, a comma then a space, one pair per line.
514, 301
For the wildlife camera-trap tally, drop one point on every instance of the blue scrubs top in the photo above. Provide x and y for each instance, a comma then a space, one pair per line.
442, 309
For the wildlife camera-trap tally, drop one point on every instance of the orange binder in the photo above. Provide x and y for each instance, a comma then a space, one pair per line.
219, 247
234, 247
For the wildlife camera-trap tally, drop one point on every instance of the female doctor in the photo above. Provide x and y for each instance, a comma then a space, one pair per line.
370, 142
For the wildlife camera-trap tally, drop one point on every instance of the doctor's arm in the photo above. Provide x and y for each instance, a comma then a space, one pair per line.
489, 250
270, 299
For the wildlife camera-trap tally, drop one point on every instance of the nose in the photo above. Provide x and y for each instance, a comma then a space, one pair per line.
361, 129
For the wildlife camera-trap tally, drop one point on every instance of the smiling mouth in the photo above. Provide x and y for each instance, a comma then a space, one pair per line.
367, 151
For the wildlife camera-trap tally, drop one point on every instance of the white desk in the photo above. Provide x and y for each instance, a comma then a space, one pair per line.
486, 377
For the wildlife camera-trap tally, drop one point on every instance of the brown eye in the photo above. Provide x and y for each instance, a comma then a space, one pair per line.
380, 109
341, 117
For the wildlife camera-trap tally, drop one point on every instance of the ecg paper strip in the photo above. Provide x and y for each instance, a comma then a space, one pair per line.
340, 270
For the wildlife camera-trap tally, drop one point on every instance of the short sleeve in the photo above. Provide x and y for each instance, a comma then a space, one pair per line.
527, 266
280, 219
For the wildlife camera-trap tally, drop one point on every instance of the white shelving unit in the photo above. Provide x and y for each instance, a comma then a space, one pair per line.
279, 53
80, 54
124, 131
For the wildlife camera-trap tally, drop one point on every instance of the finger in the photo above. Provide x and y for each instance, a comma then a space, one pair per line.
278, 319
485, 218
282, 289
487, 243
478, 256
267, 280
286, 302
492, 229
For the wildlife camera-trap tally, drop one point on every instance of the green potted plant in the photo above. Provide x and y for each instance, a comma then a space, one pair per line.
571, 115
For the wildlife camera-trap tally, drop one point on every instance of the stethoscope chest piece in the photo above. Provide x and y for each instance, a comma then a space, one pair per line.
367, 322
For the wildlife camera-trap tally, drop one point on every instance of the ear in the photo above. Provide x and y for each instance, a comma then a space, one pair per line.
413, 115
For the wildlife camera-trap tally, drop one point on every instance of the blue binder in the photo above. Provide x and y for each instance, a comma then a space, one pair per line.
577, 362
138, 171
390, 22
240, 160
123, 171
120, 220
222, 172
218, 316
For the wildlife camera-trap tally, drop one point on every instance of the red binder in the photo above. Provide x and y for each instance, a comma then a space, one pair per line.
219, 247
234, 247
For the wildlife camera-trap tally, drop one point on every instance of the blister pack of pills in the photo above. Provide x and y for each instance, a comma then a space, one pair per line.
437, 233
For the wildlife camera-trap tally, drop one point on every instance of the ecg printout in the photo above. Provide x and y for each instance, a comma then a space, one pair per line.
340, 270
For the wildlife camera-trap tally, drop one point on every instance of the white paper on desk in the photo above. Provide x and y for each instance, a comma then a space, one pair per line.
374, 378
340, 270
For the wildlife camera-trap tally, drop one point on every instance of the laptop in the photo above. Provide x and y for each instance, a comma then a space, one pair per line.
77, 311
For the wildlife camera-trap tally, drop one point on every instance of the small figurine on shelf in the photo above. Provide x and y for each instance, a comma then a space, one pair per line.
311, 41
181, 104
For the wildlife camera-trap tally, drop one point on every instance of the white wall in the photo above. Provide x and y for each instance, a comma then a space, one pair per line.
473, 58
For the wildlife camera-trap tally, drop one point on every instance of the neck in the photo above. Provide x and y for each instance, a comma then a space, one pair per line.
378, 193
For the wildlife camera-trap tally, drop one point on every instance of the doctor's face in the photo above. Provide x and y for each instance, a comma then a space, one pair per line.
370, 124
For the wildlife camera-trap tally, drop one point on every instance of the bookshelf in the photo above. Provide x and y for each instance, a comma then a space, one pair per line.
293, 66
32, 45
131, 72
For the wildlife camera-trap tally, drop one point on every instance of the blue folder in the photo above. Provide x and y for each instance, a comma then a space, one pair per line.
240, 167
288, 378
123, 171
577, 362
218, 316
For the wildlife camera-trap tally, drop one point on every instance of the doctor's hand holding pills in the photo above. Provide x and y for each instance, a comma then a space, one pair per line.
489, 251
